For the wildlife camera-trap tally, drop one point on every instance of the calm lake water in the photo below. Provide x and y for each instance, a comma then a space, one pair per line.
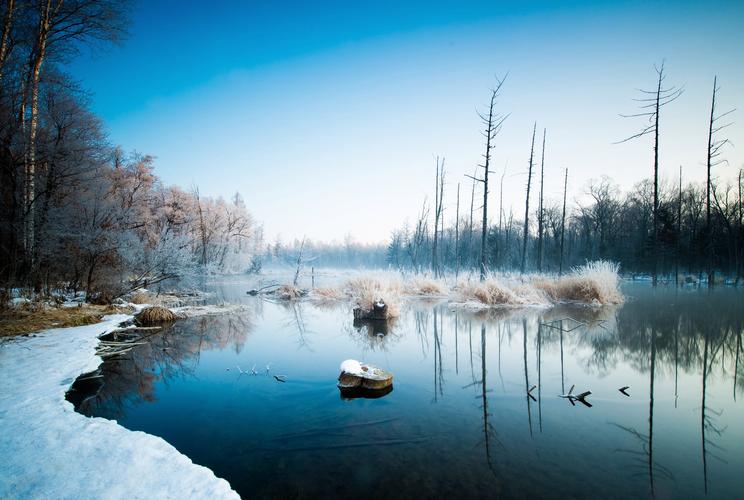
460, 422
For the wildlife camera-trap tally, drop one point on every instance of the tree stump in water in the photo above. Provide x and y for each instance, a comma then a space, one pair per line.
379, 312
356, 375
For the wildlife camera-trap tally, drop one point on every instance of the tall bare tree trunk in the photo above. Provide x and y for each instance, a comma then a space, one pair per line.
470, 224
656, 179
739, 256
37, 60
202, 229
436, 223
457, 233
679, 228
486, 166
493, 124
7, 24
709, 162
540, 211
438, 205
527, 201
563, 223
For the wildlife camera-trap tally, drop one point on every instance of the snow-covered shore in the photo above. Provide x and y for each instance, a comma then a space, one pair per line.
47, 450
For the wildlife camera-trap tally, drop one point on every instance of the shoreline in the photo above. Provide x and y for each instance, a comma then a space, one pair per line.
57, 452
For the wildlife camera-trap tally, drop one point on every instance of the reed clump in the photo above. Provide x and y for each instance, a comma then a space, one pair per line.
368, 292
594, 283
155, 315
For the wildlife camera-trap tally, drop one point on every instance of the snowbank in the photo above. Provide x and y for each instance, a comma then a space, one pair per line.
194, 311
50, 451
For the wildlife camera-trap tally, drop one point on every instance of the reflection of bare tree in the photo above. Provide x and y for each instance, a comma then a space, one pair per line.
736, 361
438, 373
296, 322
539, 374
169, 354
526, 375
644, 459
708, 416
488, 429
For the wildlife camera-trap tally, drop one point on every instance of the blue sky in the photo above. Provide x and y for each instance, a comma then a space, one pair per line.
327, 116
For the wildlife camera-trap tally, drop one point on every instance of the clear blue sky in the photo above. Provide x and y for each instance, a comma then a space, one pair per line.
327, 116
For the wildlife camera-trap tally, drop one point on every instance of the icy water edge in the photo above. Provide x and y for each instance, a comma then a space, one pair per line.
463, 418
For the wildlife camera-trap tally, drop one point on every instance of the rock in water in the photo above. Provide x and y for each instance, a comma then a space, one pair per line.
362, 375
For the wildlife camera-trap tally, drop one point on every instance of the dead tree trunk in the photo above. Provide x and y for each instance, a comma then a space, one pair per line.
493, 123
679, 228
713, 160
541, 210
654, 100
527, 202
470, 224
7, 24
708, 226
202, 229
563, 224
457, 233
438, 197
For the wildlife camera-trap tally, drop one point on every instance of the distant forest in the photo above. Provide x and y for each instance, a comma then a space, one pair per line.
695, 229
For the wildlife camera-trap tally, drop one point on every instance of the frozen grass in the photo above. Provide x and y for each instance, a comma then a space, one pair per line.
366, 290
593, 283
141, 297
426, 287
596, 283
155, 315
288, 292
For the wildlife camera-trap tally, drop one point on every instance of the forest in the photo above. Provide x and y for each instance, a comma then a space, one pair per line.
657, 229
77, 211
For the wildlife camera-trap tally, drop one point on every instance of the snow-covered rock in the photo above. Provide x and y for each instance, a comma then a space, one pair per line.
50, 451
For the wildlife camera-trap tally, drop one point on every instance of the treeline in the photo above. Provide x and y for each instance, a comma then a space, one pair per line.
696, 229
76, 212
350, 253
611, 225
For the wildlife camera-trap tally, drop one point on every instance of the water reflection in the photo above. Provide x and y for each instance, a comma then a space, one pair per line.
676, 351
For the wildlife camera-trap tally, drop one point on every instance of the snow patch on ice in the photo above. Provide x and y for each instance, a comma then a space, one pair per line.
50, 451
194, 311
352, 367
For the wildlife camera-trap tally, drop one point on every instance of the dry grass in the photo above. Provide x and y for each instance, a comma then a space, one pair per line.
489, 293
36, 317
155, 315
424, 287
289, 292
366, 290
141, 298
593, 283
327, 294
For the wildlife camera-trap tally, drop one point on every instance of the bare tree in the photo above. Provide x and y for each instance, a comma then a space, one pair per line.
61, 26
713, 159
563, 223
527, 201
493, 122
4, 39
457, 233
679, 229
540, 212
651, 102
438, 197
